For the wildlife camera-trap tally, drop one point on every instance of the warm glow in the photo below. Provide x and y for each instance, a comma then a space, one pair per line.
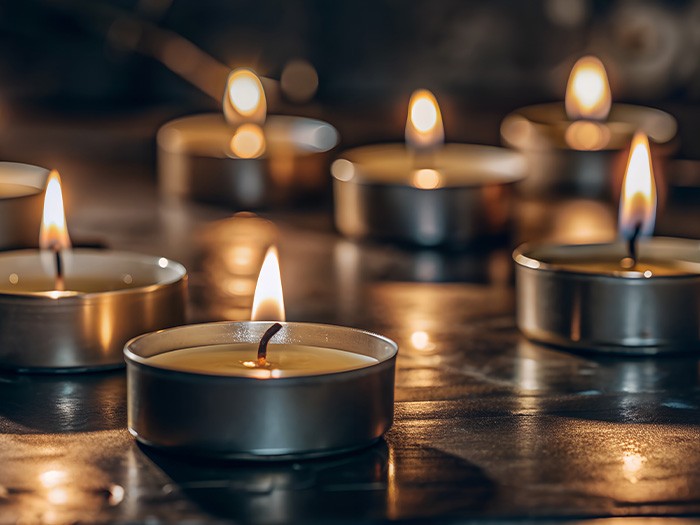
424, 123
244, 100
588, 91
638, 198
268, 302
248, 141
53, 234
584, 135
426, 179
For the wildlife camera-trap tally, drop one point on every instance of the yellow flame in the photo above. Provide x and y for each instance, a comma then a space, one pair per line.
638, 198
54, 232
424, 127
248, 141
268, 301
588, 91
244, 100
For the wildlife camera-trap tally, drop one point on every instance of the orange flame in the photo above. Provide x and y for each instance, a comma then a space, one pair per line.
638, 198
53, 234
424, 122
588, 91
268, 301
244, 99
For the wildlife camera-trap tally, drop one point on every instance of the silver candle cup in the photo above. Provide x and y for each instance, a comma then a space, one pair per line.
119, 295
248, 418
196, 161
381, 192
584, 158
627, 312
21, 204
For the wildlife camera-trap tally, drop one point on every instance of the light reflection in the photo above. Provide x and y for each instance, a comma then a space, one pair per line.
248, 141
426, 179
632, 464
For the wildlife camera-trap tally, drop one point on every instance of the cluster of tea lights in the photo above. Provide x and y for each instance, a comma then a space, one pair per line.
300, 389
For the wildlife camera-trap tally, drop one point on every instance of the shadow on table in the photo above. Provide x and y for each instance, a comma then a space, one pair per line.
377, 483
62, 403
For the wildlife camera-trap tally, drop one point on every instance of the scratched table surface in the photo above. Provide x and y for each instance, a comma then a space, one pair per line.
488, 426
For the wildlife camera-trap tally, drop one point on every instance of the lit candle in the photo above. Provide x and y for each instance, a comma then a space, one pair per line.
424, 191
242, 157
578, 147
21, 189
289, 389
637, 295
73, 309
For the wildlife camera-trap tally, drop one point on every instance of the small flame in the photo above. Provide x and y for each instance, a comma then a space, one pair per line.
424, 123
638, 198
244, 100
588, 91
268, 302
53, 234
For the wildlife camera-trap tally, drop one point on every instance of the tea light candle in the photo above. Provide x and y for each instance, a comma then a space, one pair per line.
79, 318
425, 192
243, 158
258, 389
579, 147
622, 297
21, 196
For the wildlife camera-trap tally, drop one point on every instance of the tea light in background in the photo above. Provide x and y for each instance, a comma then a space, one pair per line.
242, 157
21, 197
106, 298
314, 390
425, 192
579, 147
631, 296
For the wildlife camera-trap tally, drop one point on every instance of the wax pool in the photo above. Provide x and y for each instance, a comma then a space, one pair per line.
238, 360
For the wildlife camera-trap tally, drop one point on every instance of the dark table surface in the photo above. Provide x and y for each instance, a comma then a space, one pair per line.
487, 424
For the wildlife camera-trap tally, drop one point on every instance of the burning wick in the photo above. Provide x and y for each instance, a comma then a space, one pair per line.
59, 281
630, 261
262, 348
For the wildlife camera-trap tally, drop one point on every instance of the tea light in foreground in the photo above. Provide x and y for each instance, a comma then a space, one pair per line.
425, 192
242, 157
260, 389
579, 147
638, 295
77, 314
21, 196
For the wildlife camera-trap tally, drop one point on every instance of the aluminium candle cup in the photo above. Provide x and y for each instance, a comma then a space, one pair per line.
195, 161
625, 313
247, 418
583, 158
465, 196
21, 203
121, 295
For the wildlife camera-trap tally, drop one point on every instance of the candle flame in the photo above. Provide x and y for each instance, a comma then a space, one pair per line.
268, 301
53, 234
424, 123
638, 198
588, 91
244, 99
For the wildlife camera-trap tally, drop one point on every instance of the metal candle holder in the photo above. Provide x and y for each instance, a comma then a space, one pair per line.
243, 417
195, 161
20, 215
125, 295
626, 312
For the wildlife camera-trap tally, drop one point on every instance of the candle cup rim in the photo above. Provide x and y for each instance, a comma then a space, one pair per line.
131, 354
180, 274
38, 171
522, 258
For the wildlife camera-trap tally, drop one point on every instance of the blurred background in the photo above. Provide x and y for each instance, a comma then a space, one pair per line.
95, 68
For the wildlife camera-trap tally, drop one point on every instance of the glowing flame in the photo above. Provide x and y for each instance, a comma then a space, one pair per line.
424, 123
268, 302
244, 100
54, 233
248, 141
638, 198
588, 91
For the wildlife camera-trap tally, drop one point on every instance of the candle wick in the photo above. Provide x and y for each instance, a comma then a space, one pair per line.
262, 348
59, 280
632, 244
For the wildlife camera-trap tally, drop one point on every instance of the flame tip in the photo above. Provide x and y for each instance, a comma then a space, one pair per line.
268, 301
